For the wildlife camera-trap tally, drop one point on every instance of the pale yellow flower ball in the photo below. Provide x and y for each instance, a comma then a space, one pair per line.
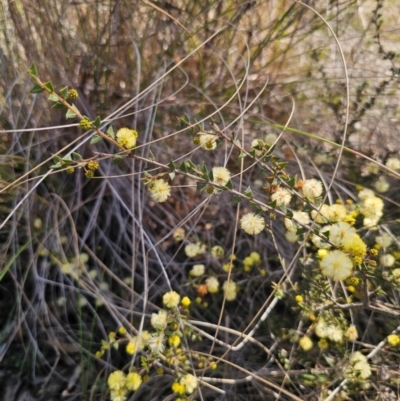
127, 137
336, 265
221, 175
306, 343
197, 270
230, 290
171, 299
160, 190
312, 188
116, 380
387, 260
133, 381
281, 196
212, 284
252, 224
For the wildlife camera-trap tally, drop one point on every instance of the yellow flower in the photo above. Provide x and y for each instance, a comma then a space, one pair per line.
179, 234
281, 196
301, 217
306, 343
387, 260
393, 163
127, 137
221, 175
337, 265
159, 320
156, 342
116, 380
351, 333
252, 224
178, 388
133, 381
190, 382
207, 141
312, 188
122, 330
185, 301
160, 190
323, 343
212, 284
258, 143
197, 270
299, 299
174, 341
131, 347
393, 340
192, 250
118, 395
256, 257
230, 290
171, 299
354, 245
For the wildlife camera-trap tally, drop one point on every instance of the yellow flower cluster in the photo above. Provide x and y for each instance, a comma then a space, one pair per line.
120, 384
252, 223
127, 137
159, 190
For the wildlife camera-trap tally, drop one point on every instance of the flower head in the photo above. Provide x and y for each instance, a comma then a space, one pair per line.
207, 141
252, 224
301, 217
312, 188
159, 190
221, 175
306, 343
133, 381
127, 137
171, 299
230, 290
197, 270
351, 333
337, 265
217, 252
192, 250
281, 196
393, 163
212, 284
190, 382
159, 320
393, 340
116, 380
157, 342
118, 395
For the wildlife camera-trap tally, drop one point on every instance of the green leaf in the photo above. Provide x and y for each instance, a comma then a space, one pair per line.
57, 165
236, 199
249, 193
33, 72
70, 113
229, 185
183, 167
242, 155
64, 92
282, 165
110, 132
171, 165
292, 182
57, 159
49, 86
201, 186
58, 106
95, 139
77, 156
37, 89
67, 159
53, 97
97, 122
116, 345
151, 155
117, 160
